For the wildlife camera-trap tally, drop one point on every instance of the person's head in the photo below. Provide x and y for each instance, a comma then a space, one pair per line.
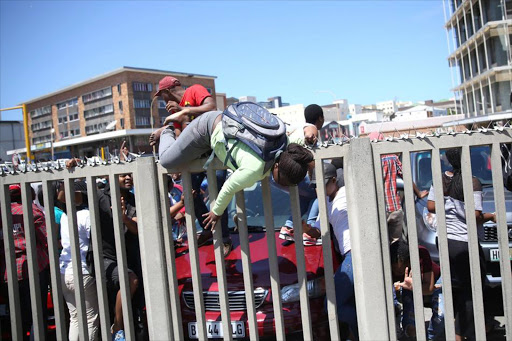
330, 180
292, 165
400, 257
125, 182
15, 193
80, 188
314, 115
167, 89
170, 183
453, 156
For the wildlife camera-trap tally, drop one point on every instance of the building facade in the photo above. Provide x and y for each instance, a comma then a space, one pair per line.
119, 100
12, 136
479, 36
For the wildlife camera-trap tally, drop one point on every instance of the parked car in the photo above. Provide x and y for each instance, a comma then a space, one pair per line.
260, 268
426, 221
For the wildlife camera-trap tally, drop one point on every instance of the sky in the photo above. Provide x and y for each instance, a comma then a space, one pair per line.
304, 51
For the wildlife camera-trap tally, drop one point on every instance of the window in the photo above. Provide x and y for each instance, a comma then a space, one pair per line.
41, 111
119, 89
121, 121
209, 90
142, 121
120, 106
73, 117
142, 87
141, 103
97, 95
106, 109
63, 119
41, 139
41, 125
95, 128
161, 104
77, 132
69, 103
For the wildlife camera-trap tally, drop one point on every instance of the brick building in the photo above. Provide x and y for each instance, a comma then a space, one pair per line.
102, 111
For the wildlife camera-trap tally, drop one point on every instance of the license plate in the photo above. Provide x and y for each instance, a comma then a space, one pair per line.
214, 330
495, 254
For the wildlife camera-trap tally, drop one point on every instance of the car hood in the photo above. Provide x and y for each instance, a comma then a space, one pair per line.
488, 202
287, 262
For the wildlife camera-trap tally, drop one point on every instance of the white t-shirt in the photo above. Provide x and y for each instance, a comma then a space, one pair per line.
338, 218
455, 213
84, 233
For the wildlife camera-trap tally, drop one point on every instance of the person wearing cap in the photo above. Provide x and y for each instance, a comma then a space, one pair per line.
42, 259
185, 105
83, 224
344, 276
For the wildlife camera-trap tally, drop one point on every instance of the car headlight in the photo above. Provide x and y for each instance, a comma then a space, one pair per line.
315, 288
429, 219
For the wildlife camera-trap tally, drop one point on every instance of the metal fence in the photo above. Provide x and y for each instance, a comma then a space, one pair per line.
368, 231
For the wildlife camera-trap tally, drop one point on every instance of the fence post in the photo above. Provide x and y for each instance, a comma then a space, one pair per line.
152, 250
365, 239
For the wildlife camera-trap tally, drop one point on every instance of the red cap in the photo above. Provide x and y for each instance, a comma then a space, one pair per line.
15, 190
167, 83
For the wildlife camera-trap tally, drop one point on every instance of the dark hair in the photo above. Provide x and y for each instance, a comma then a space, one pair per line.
312, 113
294, 162
399, 250
453, 187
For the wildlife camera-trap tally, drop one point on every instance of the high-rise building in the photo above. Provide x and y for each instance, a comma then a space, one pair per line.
120, 100
479, 36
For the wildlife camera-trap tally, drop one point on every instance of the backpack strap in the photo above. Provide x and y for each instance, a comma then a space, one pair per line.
230, 157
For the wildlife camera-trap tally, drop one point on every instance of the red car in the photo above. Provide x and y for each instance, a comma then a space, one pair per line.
261, 278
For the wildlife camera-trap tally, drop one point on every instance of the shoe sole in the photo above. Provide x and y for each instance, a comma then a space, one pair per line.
286, 237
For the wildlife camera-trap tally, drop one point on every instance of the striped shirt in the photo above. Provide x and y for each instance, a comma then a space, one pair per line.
391, 168
20, 242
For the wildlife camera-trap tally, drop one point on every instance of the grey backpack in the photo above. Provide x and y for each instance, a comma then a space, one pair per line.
256, 127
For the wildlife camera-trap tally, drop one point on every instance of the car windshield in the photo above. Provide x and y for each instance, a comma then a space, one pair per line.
480, 166
254, 207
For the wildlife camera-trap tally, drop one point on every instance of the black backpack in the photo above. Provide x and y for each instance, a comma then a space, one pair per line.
256, 127
506, 163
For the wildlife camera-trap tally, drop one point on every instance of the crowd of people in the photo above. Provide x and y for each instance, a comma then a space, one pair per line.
193, 130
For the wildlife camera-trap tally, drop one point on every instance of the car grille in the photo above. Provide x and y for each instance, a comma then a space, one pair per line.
491, 233
236, 299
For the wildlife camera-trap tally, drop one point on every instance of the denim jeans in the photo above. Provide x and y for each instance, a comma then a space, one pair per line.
436, 326
345, 297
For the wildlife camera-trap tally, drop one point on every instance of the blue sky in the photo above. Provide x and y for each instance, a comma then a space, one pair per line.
363, 51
